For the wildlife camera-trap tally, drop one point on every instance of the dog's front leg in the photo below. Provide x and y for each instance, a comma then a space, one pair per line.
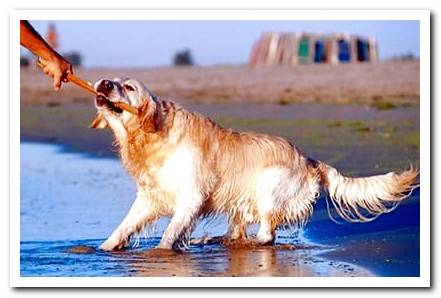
183, 221
141, 213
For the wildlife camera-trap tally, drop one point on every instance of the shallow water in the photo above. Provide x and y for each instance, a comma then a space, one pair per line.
80, 258
70, 203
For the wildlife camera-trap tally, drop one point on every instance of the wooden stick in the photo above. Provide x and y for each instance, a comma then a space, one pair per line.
126, 107
88, 87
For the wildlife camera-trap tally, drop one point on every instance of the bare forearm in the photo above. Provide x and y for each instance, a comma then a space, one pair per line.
30, 39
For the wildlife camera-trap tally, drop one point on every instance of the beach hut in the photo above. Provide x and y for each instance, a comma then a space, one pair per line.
331, 49
344, 50
319, 51
280, 55
286, 48
362, 47
373, 51
293, 58
260, 51
304, 50
273, 45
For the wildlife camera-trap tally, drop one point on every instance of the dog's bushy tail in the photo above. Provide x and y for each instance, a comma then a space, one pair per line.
365, 198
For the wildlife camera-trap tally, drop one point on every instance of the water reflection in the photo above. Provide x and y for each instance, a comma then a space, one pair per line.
217, 260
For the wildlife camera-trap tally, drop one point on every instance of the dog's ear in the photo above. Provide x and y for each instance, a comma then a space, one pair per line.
99, 122
151, 116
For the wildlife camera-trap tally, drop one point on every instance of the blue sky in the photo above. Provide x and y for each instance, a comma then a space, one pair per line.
153, 43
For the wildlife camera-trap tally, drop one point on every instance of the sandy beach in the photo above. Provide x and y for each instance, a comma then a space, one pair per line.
394, 82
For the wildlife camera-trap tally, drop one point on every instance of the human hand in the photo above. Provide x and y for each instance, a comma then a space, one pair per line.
57, 68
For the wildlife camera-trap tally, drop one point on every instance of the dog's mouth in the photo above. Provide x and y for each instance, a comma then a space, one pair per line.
103, 101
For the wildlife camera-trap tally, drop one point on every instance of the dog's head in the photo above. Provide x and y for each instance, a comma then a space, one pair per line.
128, 91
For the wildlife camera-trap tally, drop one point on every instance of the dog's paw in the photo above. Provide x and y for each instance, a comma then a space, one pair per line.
107, 246
264, 239
208, 240
165, 245
110, 245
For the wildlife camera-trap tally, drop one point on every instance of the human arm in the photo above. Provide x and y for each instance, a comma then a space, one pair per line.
54, 64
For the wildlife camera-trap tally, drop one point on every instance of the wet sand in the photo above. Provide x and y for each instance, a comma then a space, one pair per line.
312, 127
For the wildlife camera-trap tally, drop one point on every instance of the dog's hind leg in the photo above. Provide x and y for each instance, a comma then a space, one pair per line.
267, 231
273, 184
236, 230
141, 213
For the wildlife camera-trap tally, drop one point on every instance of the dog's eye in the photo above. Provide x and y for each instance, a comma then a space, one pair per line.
129, 88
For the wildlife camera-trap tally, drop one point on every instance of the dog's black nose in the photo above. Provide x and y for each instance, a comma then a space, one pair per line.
105, 87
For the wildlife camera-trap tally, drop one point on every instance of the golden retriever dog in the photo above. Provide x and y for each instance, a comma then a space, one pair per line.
187, 167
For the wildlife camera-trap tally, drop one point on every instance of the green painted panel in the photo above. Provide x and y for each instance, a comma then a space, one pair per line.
304, 48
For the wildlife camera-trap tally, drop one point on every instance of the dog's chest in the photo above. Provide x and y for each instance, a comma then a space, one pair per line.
178, 169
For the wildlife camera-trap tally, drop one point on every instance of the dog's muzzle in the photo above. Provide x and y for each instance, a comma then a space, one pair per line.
105, 87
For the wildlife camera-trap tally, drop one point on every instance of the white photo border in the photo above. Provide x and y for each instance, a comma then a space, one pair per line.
423, 16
